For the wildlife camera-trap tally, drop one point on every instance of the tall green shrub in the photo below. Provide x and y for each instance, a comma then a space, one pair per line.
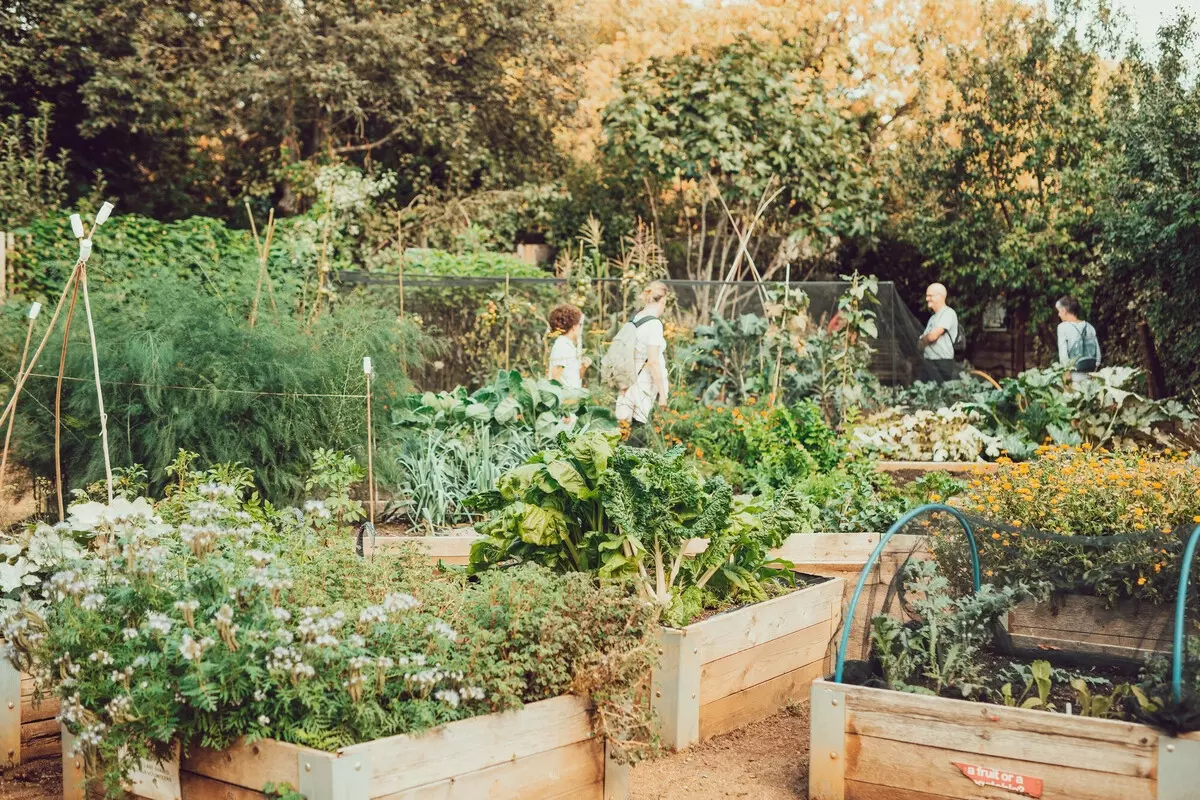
266, 396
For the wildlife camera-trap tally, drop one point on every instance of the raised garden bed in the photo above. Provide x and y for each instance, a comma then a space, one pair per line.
743, 665
545, 751
27, 731
875, 744
1082, 624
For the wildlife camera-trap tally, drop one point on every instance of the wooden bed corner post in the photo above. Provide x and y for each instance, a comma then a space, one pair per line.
72, 769
10, 714
332, 776
616, 777
827, 750
676, 688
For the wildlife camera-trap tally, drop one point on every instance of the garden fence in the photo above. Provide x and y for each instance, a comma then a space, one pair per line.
466, 314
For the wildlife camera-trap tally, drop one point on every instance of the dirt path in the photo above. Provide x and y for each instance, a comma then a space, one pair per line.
764, 761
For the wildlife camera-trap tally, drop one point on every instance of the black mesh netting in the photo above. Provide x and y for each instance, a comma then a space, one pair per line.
462, 312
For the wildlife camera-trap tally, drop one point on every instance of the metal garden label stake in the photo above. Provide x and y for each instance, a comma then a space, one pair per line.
368, 370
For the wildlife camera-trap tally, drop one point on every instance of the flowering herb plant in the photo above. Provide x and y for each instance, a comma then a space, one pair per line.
195, 632
1087, 520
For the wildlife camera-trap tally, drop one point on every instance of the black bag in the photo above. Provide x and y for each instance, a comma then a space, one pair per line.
960, 344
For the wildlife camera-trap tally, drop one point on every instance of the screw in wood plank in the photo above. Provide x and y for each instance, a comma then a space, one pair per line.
307, 767
833, 755
10, 705
834, 702
660, 651
695, 650
658, 693
693, 695
358, 766
1170, 748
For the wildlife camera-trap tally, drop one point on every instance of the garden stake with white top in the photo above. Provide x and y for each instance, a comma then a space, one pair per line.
62, 366
507, 321
34, 310
87, 309
367, 370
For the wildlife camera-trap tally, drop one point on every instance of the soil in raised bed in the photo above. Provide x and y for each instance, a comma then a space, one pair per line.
764, 761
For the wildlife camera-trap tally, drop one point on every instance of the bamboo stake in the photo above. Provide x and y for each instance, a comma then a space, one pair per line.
507, 322
400, 259
264, 250
12, 402
62, 366
33, 314
367, 370
87, 308
787, 293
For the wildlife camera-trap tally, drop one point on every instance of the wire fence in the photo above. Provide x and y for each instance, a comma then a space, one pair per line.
463, 313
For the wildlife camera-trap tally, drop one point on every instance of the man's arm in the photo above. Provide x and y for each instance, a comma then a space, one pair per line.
933, 335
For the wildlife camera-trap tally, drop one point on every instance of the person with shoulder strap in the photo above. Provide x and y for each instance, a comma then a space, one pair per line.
636, 364
1078, 344
937, 341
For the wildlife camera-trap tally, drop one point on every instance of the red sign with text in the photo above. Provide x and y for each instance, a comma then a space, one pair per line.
1010, 781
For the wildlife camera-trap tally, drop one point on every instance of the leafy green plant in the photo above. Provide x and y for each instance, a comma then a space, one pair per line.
938, 652
182, 373
1037, 679
195, 633
512, 400
550, 511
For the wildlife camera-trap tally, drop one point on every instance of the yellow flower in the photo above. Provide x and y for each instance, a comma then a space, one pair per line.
1142, 581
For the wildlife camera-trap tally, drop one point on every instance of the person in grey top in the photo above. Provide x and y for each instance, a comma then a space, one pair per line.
1078, 345
937, 342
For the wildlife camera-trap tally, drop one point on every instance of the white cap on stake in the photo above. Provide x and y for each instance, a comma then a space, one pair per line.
85, 249
102, 214
77, 226
34, 310
367, 366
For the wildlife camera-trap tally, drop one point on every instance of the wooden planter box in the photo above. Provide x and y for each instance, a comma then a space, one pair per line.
544, 751
743, 665
874, 744
1082, 623
27, 732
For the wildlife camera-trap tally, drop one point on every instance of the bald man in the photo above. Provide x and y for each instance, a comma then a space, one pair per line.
937, 342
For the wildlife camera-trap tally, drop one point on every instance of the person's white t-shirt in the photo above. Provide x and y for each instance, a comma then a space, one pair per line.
638, 401
565, 354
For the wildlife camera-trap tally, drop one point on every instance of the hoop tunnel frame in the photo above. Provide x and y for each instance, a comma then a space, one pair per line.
892, 531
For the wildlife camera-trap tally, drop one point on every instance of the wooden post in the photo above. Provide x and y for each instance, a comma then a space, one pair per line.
1156, 383
370, 443
400, 260
507, 322
616, 777
62, 366
827, 745
676, 687
87, 308
3, 268
72, 769
8, 435
10, 714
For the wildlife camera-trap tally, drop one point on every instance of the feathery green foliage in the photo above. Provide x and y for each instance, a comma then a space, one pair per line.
253, 399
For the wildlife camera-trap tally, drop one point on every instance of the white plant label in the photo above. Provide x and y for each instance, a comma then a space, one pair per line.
155, 781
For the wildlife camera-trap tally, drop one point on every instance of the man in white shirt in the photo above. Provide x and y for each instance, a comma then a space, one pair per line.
937, 342
1078, 345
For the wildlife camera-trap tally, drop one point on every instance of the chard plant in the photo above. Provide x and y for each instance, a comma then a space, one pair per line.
589, 505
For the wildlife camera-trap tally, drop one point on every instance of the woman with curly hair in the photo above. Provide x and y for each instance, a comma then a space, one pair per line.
567, 362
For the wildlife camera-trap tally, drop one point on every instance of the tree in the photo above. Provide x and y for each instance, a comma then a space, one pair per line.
192, 105
997, 192
713, 134
1151, 214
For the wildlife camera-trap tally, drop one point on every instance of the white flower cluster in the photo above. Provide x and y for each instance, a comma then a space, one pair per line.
288, 660
119, 708
397, 602
193, 649
316, 508
159, 623
101, 657
121, 675
92, 602
319, 630
440, 628
71, 583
